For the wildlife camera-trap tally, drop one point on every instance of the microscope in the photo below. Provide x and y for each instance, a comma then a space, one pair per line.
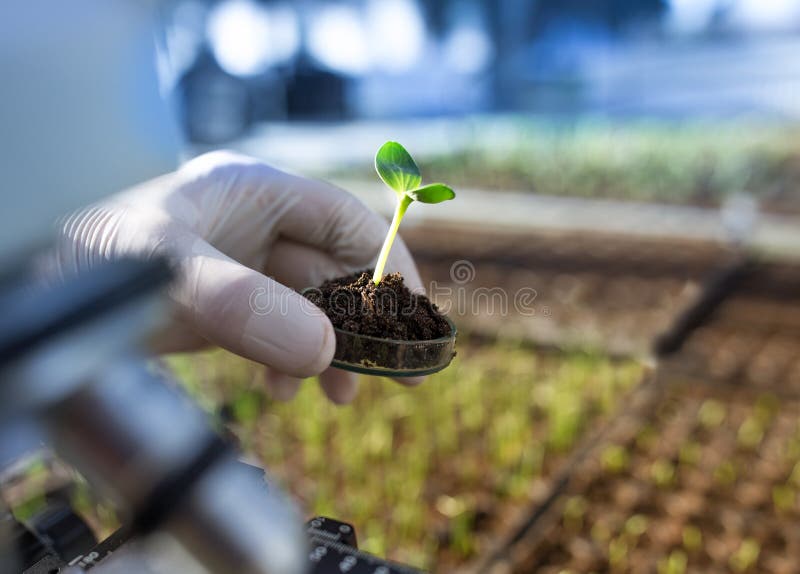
83, 117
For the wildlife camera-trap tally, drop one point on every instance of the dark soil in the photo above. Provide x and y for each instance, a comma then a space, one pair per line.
388, 310
593, 290
753, 338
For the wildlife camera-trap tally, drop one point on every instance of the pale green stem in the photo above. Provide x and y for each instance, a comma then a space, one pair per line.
399, 212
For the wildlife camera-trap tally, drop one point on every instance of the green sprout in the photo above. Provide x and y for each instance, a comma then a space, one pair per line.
574, 511
618, 552
794, 476
636, 525
746, 556
750, 433
692, 538
615, 459
397, 169
712, 413
690, 453
725, 473
783, 497
662, 472
675, 563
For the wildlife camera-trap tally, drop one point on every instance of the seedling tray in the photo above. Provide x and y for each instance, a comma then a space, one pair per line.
693, 480
587, 290
753, 338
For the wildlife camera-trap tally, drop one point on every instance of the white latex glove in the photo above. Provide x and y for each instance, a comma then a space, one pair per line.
232, 224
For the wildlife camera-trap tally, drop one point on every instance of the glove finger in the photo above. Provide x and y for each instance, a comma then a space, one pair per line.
410, 381
341, 387
248, 313
281, 386
299, 266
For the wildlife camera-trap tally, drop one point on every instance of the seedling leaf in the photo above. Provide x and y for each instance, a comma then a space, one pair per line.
433, 193
397, 168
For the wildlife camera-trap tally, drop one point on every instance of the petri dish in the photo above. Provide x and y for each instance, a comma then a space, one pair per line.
391, 357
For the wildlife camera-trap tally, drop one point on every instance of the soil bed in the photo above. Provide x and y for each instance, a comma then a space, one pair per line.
595, 291
753, 338
434, 476
701, 482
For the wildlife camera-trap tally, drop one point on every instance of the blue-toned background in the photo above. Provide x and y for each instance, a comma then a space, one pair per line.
239, 62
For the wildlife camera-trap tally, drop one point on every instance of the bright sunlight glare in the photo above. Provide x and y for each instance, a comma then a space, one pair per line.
396, 34
766, 15
248, 38
468, 50
337, 39
691, 16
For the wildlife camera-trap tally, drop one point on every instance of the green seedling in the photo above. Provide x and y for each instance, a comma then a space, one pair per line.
618, 552
574, 510
248, 406
746, 556
766, 408
461, 531
663, 473
725, 474
794, 476
692, 538
394, 458
675, 563
636, 526
397, 169
712, 413
783, 497
750, 433
615, 459
690, 453
792, 449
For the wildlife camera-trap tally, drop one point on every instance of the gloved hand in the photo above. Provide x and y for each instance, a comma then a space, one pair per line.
232, 224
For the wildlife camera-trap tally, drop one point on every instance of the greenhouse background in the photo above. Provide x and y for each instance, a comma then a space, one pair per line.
622, 262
